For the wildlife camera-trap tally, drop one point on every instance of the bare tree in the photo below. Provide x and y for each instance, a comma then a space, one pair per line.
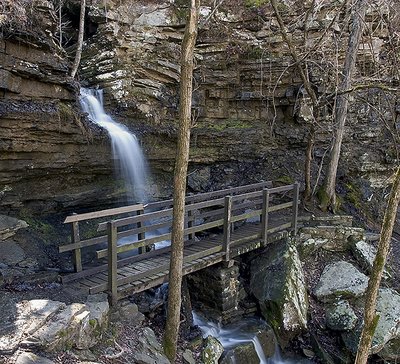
327, 193
370, 317
180, 174
80, 39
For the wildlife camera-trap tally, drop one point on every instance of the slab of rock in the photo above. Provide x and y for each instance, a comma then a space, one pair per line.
277, 281
244, 353
391, 351
11, 253
340, 316
9, 226
340, 280
31, 358
212, 350
365, 254
387, 330
188, 357
52, 325
149, 350
18, 319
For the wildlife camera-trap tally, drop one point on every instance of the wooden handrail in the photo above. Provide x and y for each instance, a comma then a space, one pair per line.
203, 211
103, 213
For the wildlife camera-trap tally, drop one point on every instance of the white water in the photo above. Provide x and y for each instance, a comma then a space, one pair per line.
240, 333
125, 146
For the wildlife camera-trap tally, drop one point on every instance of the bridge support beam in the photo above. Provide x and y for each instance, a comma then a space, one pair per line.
216, 289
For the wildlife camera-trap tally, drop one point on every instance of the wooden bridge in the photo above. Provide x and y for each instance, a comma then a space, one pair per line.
220, 225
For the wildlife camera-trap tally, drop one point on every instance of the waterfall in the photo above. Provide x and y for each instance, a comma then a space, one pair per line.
240, 333
125, 146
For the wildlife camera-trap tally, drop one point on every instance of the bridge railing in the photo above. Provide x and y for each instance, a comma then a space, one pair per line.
219, 211
162, 215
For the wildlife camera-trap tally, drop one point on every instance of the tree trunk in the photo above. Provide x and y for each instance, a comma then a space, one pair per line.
327, 193
370, 318
180, 174
80, 39
307, 164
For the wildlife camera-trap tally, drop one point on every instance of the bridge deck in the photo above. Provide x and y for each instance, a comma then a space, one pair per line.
146, 271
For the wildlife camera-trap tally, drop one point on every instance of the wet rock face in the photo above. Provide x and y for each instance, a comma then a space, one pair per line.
277, 281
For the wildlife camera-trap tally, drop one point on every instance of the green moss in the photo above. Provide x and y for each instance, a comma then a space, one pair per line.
256, 3
323, 197
287, 180
65, 112
353, 195
254, 52
93, 322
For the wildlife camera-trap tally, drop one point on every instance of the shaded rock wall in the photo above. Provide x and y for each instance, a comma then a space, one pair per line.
250, 121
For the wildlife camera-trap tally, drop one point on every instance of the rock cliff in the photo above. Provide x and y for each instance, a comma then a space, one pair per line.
251, 118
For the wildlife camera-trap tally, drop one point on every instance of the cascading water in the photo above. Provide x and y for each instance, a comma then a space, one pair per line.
125, 146
240, 333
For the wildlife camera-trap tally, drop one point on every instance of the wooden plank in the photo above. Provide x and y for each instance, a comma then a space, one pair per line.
246, 216
247, 195
112, 261
280, 206
281, 189
137, 244
77, 252
264, 216
280, 228
204, 214
227, 226
82, 243
228, 191
203, 227
135, 219
103, 213
204, 204
247, 204
247, 238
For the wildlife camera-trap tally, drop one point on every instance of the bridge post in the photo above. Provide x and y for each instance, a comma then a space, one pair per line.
140, 236
296, 188
77, 252
264, 216
112, 262
227, 226
190, 221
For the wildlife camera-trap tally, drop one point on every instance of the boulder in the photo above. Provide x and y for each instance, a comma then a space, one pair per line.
391, 351
212, 350
148, 349
18, 319
244, 353
387, 331
9, 226
11, 253
52, 325
340, 280
365, 255
277, 281
187, 357
31, 358
340, 316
